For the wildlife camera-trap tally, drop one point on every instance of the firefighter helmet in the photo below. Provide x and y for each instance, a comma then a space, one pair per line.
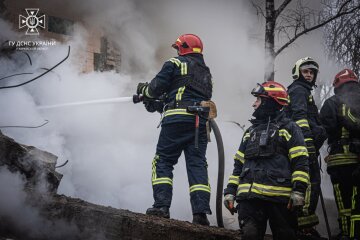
344, 76
272, 90
305, 63
188, 43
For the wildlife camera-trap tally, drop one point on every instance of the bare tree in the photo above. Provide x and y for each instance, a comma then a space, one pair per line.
291, 23
342, 36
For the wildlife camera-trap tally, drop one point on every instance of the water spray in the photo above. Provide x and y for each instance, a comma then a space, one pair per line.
91, 102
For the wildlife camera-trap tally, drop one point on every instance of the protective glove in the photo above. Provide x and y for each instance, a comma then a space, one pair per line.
319, 136
154, 106
356, 176
229, 203
141, 88
296, 201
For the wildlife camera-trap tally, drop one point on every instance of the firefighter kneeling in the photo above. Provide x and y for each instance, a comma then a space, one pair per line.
270, 173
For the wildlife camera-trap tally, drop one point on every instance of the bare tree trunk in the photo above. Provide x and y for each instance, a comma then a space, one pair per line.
269, 40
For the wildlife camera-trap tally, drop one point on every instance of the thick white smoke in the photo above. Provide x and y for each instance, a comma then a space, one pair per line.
110, 147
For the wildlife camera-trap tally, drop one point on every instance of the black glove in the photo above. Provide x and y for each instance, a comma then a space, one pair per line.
141, 88
154, 106
320, 136
356, 176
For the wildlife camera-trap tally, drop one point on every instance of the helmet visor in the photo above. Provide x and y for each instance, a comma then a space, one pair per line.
309, 66
258, 90
175, 46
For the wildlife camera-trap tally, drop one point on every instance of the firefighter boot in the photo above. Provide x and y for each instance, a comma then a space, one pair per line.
309, 234
160, 212
201, 218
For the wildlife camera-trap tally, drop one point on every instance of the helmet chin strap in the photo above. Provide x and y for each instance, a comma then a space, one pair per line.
268, 107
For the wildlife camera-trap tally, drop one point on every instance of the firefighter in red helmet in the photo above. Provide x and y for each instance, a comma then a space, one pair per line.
340, 115
270, 173
187, 44
183, 82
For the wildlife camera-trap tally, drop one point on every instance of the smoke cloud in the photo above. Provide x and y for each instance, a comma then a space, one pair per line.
110, 147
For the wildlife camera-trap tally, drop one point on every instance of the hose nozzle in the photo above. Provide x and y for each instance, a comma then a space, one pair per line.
137, 98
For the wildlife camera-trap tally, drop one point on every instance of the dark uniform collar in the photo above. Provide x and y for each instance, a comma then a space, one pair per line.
197, 57
303, 83
276, 118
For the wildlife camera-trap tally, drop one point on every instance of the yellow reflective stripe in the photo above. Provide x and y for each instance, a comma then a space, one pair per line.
298, 151
339, 197
342, 159
302, 123
270, 190
308, 220
311, 98
196, 50
353, 220
343, 109
239, 156
246, 136
180, 111
345, 212
346, 149
243, 188
183, 68
353, 198
351, 116
307, 199
164, 180
153, 168
146, 93
200, 187
176, 61
300, 176
284, 99
274, 89
353, 202
342, 210
284, 133
344, 133
308, 139
234, 179
180, 93
344, 224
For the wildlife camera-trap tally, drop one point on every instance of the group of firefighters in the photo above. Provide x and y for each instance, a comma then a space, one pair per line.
276, 175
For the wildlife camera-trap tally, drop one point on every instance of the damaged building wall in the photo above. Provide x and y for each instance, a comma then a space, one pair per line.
100, 53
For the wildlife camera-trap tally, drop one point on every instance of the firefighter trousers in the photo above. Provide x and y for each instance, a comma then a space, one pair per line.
308, 217
254, 214
174, 139
347, 199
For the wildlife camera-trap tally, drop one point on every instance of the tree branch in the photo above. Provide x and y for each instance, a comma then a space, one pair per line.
339, 14
259, 10
282, 7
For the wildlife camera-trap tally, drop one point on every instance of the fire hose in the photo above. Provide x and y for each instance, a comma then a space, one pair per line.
221, 156
212, 124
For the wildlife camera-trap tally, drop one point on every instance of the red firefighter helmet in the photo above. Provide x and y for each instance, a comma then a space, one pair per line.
188, 43
272, 89
344, 76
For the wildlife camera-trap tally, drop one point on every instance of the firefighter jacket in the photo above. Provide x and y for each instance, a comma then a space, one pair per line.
184, 80
270, 172
304, 112
340, 117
